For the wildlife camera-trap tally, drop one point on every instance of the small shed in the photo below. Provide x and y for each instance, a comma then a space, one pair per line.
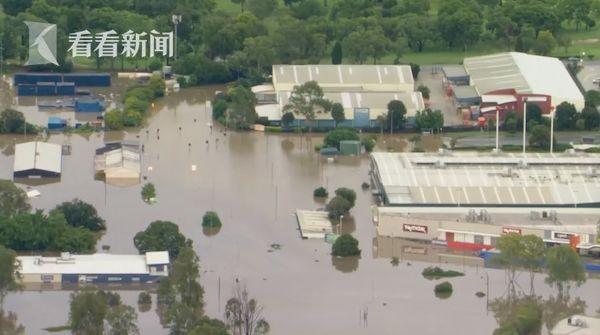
350, 147
37, 160
456, 75
89, 106
56, 123
466, 95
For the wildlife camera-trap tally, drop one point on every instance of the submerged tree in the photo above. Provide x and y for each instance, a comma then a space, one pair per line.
243, 315
307, 100
13, 200
8, 273
564, 268
81, 214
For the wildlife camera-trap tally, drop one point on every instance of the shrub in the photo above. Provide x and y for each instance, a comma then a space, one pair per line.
437, 272
344, 246
365, 185
444, 287
336, 135
144, 298
395, 261
368, 143
424, 91
211, 220
148, 192
155, 64
320, 192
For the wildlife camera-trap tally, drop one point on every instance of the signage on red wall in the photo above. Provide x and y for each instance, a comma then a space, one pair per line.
561, 236
413, 228
509, 230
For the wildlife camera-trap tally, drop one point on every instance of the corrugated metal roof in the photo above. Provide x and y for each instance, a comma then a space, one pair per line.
343, 75
38, 155
86, 264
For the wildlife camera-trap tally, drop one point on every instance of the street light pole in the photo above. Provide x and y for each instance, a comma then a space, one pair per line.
497, 128
341, 223
176, 20
552, 129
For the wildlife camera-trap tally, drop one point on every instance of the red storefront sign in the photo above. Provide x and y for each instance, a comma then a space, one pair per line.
508, 230
413, 228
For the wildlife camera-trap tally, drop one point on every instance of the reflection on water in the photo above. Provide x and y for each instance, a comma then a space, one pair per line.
255, 182
9, 324
211, 231
443, 295
345, 264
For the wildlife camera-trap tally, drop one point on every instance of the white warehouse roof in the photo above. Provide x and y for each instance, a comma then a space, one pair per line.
90, 264
526, 74
345, 77
38, 155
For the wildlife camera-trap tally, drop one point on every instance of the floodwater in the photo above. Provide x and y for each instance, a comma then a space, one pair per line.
255, 182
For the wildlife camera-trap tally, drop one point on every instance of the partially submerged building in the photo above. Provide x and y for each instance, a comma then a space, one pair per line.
119, 163
577, 325
477, 229
363, 90
37, 160
447, 179
96, 268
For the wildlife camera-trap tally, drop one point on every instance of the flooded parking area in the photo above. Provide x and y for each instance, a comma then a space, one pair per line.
256, 182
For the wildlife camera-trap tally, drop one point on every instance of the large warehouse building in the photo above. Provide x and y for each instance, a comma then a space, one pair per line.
507, 79
96, 268
484, 180
37, 160
363, 90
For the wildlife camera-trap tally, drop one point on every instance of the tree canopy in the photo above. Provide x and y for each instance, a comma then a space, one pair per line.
80, 214
161, 236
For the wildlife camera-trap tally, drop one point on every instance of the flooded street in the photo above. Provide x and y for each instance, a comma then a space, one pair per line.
255, 182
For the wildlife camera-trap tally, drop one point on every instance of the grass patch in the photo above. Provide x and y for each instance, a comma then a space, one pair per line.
434, 272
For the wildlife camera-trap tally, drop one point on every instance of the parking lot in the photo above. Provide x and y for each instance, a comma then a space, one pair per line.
589, 73
432, 78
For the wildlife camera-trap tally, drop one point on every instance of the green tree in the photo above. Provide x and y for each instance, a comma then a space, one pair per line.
211, 219
208, 326
544, 43
591, 116
11, 121
417, 30
337, 206
88, 311
424, 91
396, 113
113, 119
347, 194
320, 192
429, 119
148, 192
259, 53
345, 246
241, 113
243, 315
261, 8
336, 135
517, 316
13, 200
9, 324
9, 274
81, 214
459, 23
540, 137
337, 112
161, 236
336, 53
566, 116
288, 119
564, 268
592, 98
307, 100
122, 320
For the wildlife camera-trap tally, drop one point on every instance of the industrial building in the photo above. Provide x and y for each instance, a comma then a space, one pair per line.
345, 78
478, 229
361, 109
363, 90
508, 79
37, 160
119, 163
486, 180
96, 268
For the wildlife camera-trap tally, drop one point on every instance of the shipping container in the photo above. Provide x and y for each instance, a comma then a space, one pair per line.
26, 90
65, 89
34, 78
89, 106
88, 79
46, 88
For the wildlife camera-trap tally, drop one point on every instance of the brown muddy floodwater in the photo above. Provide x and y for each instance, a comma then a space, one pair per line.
255, 182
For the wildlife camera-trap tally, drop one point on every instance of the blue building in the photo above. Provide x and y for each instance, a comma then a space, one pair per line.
96, 268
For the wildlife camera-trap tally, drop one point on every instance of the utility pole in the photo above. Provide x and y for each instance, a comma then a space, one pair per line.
552, 129
497, 129
524, 123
